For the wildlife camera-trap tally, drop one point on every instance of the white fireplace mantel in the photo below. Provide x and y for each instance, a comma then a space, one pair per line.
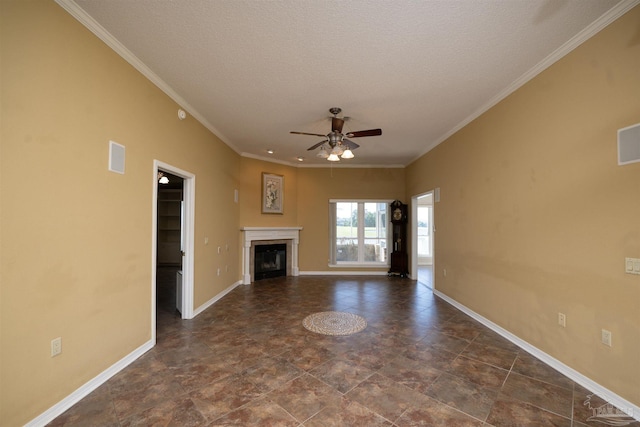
252, 234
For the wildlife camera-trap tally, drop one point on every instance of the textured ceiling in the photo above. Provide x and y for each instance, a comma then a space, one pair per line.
251, 71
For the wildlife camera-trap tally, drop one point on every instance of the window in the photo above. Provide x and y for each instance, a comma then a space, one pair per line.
359, 232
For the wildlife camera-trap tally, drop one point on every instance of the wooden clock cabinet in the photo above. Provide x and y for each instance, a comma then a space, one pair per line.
399, 260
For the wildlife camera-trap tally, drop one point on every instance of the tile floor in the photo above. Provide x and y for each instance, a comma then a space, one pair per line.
248, 361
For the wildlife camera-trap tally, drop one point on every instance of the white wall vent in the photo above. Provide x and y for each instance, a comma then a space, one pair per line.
116, 157
629, 144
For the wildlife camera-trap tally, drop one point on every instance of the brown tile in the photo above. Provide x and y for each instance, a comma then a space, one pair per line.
96, 408
307, 358
463, 329
386, 397
493, 339
219, 398
587, 406
179, 412
271, 373
436, 414
429, 356
178, 339
410, 373
248, 360
465, 396
440, 340
342, 375
492, 355
131, 401
537, 393
228, 341
195, 375
304, 397
531, 367
478, 372
261, 412
372, 357
191, 352
346, 412
140, 374
513, 413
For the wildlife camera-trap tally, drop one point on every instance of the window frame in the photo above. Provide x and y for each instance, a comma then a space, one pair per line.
361, 241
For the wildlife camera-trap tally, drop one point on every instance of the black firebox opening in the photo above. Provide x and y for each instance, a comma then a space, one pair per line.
270, 261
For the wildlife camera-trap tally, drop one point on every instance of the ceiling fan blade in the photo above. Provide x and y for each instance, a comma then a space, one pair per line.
349, 144
360, 133
336, 124
305, 133
313, 147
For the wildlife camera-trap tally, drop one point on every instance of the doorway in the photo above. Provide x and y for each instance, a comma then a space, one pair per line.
173, 231
422, 228
169, 247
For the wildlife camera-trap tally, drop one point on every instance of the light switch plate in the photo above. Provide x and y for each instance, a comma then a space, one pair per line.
632, 265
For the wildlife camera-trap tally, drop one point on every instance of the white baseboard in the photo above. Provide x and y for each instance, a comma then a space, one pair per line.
66, 403
60, 407
606, 394
343, 273
216, 298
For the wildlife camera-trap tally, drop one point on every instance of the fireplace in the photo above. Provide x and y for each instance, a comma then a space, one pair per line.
270, 261
255, 237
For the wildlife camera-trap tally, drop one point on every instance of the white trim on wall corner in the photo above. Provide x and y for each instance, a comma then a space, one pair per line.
577, 377
216, 298
75, 397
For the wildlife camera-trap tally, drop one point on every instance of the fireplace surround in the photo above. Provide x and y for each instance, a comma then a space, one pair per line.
256, 236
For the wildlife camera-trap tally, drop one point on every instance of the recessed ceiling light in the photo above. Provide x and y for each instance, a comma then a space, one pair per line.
270, 151
301, 159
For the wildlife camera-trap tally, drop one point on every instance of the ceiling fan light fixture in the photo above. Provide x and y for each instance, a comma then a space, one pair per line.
347, 154
323, 154
333, 157
337, 150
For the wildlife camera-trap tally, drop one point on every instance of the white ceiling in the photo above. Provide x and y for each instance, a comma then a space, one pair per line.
253, 70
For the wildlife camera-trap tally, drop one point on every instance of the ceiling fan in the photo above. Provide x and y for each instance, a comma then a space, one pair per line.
337, 142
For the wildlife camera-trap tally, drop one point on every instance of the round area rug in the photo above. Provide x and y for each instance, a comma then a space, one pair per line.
334, 323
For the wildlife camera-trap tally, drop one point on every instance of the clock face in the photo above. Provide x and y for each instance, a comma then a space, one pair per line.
397, 214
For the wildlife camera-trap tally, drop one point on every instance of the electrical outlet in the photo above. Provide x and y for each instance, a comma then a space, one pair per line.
218, 272
56, 346
444, 272
562, 320
606, 337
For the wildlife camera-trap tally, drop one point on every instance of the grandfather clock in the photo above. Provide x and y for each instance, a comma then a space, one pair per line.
399, 259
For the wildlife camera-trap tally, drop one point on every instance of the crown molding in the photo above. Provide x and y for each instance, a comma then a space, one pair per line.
596, 26
98, 30
327, 165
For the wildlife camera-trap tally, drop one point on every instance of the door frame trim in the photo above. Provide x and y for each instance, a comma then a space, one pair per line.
414, 235
189, 184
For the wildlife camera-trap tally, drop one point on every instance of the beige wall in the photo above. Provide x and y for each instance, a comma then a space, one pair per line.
76, 240
251, 194
317, 186
306, 201
536, 217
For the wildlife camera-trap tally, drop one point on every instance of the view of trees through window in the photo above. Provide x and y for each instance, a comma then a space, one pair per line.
361, 232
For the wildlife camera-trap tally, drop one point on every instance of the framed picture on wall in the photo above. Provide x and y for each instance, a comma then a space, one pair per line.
272, 193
